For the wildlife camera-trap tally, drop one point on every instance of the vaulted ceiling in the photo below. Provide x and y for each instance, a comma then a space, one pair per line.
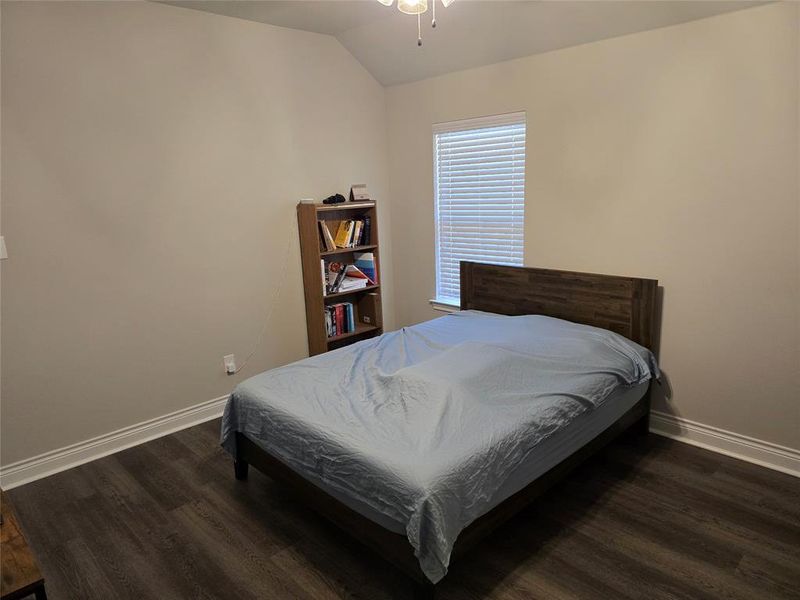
469, 33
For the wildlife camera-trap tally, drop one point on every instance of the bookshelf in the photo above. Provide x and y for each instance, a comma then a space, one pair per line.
366, 301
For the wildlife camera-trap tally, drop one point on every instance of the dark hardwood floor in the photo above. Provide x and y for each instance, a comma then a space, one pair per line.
646, 519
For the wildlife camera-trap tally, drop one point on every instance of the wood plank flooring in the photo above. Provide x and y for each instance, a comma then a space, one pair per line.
646, 519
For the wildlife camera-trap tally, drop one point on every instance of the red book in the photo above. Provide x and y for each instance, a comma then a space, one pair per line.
340, 324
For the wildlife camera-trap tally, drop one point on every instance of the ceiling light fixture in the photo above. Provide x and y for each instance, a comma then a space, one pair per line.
412, 7
417, 7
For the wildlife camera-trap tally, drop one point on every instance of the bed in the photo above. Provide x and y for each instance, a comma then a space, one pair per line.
422, 441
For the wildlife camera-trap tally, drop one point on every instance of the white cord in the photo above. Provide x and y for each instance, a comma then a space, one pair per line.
292, 229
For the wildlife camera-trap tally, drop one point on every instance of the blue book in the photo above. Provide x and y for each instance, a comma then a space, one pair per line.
365, 261
351, 322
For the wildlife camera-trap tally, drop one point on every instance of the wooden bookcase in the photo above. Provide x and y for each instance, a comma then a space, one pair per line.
312, 251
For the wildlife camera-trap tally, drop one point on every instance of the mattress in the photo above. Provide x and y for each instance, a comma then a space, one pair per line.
425, 429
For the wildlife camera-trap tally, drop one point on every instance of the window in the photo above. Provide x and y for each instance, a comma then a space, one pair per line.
479, 187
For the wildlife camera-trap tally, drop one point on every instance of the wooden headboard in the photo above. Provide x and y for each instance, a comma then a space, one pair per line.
625, 305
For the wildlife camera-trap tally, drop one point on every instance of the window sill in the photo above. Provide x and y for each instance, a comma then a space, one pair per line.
444, 306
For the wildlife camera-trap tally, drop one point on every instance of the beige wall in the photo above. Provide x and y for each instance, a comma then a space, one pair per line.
670, 154
152, 160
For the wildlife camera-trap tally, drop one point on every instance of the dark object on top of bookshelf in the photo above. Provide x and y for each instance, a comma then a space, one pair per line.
335, 199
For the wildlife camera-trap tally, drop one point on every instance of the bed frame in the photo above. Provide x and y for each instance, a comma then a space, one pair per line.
625, 305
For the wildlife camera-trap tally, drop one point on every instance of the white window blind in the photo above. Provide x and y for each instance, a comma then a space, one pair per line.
479, 186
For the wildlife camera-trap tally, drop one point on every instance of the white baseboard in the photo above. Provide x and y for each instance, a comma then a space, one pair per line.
34, 468
766, 454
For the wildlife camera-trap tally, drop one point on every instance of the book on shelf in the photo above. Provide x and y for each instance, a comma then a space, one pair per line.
354, 279
344, 234
328, 242
339, 319
365, 262
365, 232
341, 326
349, 284
341, 277
334, 275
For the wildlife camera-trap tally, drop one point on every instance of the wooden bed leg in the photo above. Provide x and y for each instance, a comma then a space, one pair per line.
240, 469
424, 591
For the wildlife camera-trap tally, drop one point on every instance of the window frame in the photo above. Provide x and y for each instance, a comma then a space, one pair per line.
446, 304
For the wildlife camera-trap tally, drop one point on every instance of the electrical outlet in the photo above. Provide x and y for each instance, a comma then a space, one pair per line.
229, 360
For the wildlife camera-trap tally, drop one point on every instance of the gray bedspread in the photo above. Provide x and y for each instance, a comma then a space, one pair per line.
425, 424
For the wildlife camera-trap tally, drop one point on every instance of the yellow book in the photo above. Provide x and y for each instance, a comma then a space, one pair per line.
343, 234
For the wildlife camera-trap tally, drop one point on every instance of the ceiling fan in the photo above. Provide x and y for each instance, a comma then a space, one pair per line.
417, 7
